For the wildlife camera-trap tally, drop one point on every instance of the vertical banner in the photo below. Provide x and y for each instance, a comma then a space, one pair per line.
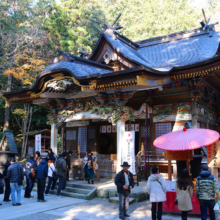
128, 150
38, 143
213, 154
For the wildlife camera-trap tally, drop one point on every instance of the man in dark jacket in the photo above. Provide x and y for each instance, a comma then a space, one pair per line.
125, 182
15, 174
68, 162
61, 172
30, 183
42, 171
7, 183
1, 184
206, 189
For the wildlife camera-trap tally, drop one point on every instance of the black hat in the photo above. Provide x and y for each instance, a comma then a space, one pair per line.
125, 164
52, 158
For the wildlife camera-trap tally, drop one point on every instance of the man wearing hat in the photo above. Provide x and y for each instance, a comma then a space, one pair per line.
206, 190
125, 182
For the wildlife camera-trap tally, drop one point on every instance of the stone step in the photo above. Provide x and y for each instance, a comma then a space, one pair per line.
116, 200
68, 194
76, 190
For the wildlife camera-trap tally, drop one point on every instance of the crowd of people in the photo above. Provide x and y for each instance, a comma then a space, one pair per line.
57, 169
207, 191
36, 168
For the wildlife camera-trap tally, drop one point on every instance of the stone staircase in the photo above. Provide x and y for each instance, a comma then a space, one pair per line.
79, 191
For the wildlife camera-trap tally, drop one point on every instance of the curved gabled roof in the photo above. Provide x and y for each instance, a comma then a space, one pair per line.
79, 69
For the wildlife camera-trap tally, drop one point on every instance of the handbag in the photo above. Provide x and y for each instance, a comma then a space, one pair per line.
20, 182
53, 173
176, 202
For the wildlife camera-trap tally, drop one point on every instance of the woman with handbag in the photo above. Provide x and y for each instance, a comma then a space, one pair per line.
89, 162
184, 191
157, 190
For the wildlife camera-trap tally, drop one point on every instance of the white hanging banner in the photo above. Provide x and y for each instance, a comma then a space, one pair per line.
128, 150
38, 143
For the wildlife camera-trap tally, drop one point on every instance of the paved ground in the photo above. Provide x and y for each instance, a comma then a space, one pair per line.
70, 208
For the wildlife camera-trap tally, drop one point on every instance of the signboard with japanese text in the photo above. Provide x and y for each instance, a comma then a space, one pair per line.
38, 143
128, 150
213, 154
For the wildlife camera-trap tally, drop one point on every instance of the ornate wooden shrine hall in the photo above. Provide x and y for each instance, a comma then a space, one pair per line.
96, 97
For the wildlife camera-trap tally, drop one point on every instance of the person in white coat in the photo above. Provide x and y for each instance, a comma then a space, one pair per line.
184, 192
157, 190
51, 174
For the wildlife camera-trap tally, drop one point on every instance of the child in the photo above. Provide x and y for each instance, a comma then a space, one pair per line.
157, 190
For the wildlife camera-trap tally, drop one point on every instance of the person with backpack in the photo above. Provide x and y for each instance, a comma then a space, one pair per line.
16, 176
206, 190
51, 173
29, 181
42, 171
157, 190
61, 172
184, 192
7, 183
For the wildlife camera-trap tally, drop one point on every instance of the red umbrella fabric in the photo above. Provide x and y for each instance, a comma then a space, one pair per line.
187, 139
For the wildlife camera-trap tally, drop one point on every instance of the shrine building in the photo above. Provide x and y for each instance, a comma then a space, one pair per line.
151, 86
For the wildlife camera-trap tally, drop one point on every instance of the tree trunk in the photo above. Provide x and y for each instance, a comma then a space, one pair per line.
26, 127
7, 105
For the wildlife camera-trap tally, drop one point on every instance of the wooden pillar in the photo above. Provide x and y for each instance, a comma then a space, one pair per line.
216, 173
169, 170
120, 142
194, 114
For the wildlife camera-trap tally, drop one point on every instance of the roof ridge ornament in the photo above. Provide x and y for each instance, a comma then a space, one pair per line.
206, 26
110, 28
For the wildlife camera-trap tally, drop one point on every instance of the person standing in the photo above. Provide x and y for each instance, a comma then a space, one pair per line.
206, 189
89, 161
42, 171
15, 175
61, 172
7, 183
38, 158
125, 182
184, 192
29, 181
51, 173
1, 184
68, 162
157, 190
52, 154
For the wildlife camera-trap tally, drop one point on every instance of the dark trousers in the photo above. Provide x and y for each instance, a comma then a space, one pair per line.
7, 190
29, 187
123, 203
184, 215
40, 188
64, 183
55, 178
154, 210
50, 181
60, 186
204, 204
67, 175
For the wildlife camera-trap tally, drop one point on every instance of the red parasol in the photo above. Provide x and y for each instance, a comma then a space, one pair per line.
187, 139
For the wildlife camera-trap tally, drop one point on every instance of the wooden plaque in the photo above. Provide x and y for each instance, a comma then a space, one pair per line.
178, 155
213, 154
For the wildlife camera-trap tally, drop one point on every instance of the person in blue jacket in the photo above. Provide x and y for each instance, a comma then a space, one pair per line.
42, 171
30, 183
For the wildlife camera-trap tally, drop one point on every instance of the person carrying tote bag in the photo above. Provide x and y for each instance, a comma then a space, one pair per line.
184, 192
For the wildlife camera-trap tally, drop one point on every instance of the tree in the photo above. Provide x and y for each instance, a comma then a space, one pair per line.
20, 23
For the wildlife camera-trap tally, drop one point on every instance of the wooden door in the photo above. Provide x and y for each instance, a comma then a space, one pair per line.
71, 139
92, 138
